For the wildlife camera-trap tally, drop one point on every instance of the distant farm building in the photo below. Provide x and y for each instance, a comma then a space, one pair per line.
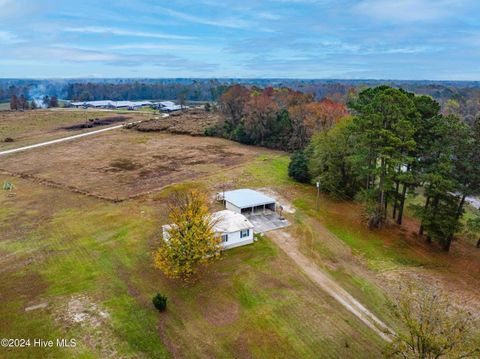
167, 106
247, 201
234, 229
130, 105
164, 106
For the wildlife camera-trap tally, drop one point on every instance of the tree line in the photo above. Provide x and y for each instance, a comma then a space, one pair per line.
278, 118
137, 90
22, 103
398, 144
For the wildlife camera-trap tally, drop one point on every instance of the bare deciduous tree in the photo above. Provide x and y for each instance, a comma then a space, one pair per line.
433, 328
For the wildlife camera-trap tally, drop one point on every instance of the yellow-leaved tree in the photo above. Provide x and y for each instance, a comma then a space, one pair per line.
432, 327
190, 240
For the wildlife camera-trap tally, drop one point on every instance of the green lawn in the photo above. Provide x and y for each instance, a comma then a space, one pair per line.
63, 249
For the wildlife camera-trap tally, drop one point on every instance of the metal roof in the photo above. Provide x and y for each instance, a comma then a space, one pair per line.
228, 222
109, 103
246, 198
225, 221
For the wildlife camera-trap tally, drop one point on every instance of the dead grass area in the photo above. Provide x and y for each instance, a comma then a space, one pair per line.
396, 253
192, 122
20, 128
123, 164
82, 314
92, 122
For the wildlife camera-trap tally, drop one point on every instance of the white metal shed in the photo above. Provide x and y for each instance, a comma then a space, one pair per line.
248, 201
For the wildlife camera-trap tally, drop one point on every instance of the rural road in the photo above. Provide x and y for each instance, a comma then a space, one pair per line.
69, 138
289, 246
60, 140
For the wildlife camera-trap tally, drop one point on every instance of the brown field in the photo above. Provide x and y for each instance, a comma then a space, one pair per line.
193, 122
125, 163
29, 127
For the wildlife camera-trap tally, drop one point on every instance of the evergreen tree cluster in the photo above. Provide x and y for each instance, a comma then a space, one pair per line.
399, 144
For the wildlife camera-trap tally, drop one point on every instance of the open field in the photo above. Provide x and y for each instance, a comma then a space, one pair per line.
29, 127
126, 163
76, 266
77, 254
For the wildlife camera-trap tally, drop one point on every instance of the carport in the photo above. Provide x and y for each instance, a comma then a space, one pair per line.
248, 202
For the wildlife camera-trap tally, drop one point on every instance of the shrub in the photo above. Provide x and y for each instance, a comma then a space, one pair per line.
8, 139
125, 164
212, 131
160, 302
298, 167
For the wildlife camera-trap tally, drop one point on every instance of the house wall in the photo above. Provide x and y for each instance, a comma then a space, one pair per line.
234, 240
232, 207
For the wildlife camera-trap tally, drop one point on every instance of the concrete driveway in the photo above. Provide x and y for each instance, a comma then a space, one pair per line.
267, 222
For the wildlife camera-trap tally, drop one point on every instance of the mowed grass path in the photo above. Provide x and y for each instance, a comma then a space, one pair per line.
62, 249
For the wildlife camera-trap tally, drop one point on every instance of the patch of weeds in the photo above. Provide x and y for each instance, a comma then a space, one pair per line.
124, 164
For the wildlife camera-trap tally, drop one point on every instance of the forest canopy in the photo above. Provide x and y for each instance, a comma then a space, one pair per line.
396, 144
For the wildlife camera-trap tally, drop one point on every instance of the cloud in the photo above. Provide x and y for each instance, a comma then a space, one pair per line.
409, 10
8, 38
123, 32
69, 54
171, 47
229, 22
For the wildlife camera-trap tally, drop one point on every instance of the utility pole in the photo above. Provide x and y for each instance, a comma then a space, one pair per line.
223, 196
318, 194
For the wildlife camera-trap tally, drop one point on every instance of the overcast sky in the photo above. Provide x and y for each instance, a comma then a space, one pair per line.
378, 39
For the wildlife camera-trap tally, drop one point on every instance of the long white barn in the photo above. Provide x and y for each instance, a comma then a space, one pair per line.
112, 104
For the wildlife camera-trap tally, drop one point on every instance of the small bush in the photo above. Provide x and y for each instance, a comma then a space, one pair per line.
298, 167
125, 164
160, 302
8, 139
212, 131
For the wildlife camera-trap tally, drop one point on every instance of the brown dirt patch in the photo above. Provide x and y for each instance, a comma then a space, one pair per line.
122, 164
192, 122
91, 320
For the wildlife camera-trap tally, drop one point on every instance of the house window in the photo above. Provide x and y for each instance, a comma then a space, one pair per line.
224, 238
244, 233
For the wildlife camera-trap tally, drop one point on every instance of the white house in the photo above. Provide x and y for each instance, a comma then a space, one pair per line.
247, 201
234, 229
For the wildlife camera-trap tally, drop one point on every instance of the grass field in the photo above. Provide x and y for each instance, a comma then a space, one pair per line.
74, 252
29, 127
75, 266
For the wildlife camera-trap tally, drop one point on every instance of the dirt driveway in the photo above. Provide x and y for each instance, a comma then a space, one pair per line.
289, 246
